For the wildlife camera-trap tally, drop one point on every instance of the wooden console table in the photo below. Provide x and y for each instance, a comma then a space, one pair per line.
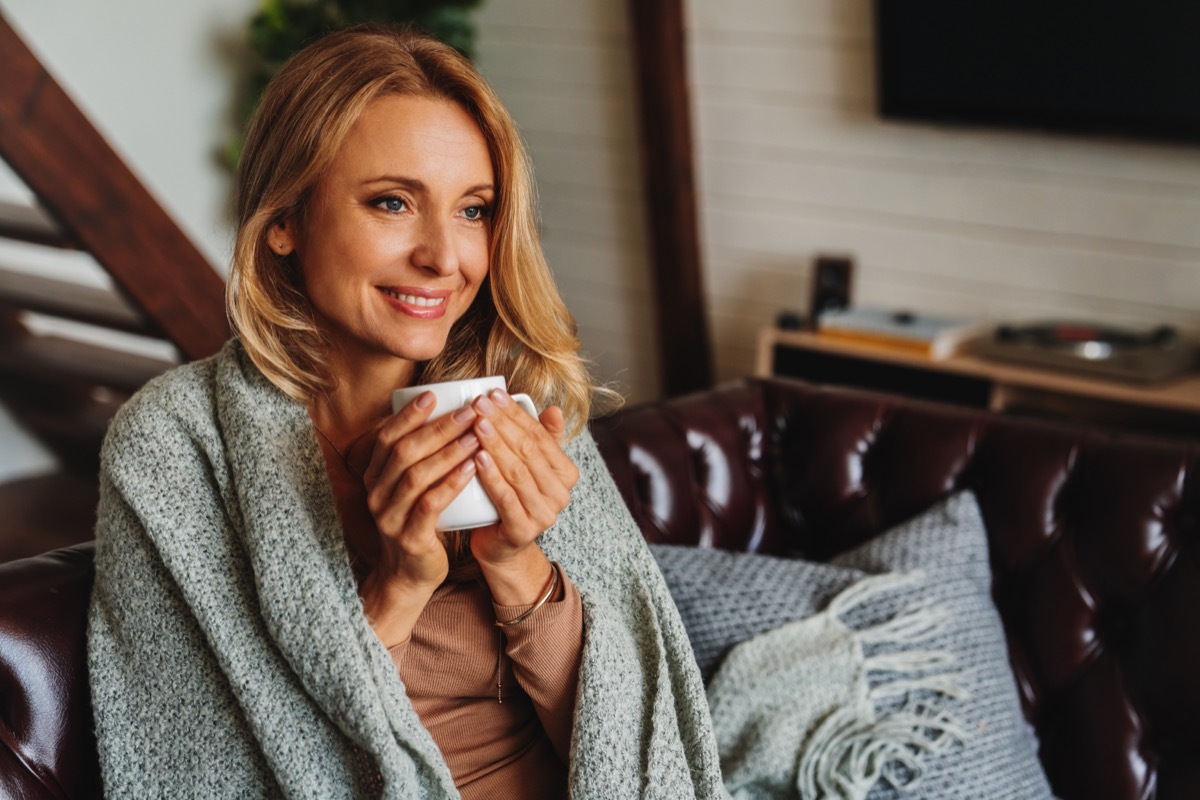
1171, 408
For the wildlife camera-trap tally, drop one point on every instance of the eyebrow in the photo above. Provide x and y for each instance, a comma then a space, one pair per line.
417, 185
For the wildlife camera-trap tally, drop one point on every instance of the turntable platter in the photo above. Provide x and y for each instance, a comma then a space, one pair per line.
1101, 351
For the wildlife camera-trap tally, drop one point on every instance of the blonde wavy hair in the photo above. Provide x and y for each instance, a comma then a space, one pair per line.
518, 326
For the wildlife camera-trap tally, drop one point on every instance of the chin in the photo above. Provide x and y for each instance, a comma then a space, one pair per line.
419, 349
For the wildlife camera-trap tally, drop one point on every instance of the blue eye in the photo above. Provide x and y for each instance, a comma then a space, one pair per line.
475, 212
393, 205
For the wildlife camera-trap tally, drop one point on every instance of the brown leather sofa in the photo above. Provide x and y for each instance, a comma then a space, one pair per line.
1095, 545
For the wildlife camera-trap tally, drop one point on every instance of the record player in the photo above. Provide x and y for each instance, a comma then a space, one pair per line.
1096, 350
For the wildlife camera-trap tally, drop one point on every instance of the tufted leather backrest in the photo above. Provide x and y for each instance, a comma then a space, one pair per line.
1095, 544
47, 749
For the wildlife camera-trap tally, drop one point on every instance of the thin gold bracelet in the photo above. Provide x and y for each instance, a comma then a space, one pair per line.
545, 598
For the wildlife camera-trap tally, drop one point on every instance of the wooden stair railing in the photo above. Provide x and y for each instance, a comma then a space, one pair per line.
64, 389
102, 207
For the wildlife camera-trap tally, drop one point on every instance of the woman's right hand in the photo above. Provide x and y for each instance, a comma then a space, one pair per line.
416, 470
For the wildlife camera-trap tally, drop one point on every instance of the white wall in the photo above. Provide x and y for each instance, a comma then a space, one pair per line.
565, 71
1004, 225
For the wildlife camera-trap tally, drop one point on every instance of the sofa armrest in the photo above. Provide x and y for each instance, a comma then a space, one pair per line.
47, 746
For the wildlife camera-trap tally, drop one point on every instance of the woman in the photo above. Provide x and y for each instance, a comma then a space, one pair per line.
274, 612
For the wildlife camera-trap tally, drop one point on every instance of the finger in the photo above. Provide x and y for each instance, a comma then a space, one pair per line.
415, 539
521, 461
395, 452
541, 490
396, 517
410, 417
430, 505
554, 422
526, 435
400, 487
524, 511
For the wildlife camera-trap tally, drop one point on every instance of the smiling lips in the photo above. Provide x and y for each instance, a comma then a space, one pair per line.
419, 303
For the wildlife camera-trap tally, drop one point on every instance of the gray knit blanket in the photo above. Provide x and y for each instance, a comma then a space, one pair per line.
227, 649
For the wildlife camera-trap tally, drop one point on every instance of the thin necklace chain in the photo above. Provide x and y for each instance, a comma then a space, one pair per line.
338, 450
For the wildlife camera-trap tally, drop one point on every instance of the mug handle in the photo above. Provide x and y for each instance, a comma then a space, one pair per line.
526, 402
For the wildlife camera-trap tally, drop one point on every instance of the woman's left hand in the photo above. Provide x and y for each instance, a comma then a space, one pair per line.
529, 479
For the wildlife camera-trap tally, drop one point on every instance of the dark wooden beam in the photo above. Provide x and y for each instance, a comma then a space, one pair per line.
684, 346
102, 206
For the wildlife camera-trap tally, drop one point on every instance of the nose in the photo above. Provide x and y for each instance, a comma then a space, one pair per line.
436, 249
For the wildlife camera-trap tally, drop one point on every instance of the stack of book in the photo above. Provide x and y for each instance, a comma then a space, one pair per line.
934, 337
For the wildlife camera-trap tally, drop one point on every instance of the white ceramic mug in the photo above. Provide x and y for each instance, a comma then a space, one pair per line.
472, 508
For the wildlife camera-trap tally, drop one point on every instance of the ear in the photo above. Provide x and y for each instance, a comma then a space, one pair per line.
280, 238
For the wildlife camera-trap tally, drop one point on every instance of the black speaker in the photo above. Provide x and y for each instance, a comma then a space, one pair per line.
831, 285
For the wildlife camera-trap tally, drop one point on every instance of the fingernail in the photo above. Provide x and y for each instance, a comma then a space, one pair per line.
500, 397
484, 406
485, 427
470, 441
467, 467
425, 400
464, 414
485, 461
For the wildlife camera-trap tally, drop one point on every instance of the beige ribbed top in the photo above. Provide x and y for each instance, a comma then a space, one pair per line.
451, 666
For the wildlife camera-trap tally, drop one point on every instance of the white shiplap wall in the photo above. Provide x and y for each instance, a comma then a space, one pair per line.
1005, 225
565, 71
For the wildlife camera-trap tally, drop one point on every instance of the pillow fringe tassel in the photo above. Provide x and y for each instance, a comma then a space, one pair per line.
848, 753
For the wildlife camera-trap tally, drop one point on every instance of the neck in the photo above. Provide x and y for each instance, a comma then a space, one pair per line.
361, 398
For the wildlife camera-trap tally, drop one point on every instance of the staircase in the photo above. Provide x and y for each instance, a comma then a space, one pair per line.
72, 351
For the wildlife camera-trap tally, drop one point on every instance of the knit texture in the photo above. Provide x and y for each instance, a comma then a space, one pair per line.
797, 709
227, 649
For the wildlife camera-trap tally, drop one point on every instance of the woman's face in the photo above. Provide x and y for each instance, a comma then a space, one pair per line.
394, 245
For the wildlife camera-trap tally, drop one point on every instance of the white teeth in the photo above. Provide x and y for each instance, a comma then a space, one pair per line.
413, 300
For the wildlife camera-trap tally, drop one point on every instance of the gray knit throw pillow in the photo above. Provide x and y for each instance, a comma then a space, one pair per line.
726, 598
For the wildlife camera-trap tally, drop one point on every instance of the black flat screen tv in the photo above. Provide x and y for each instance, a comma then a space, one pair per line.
1125, 67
